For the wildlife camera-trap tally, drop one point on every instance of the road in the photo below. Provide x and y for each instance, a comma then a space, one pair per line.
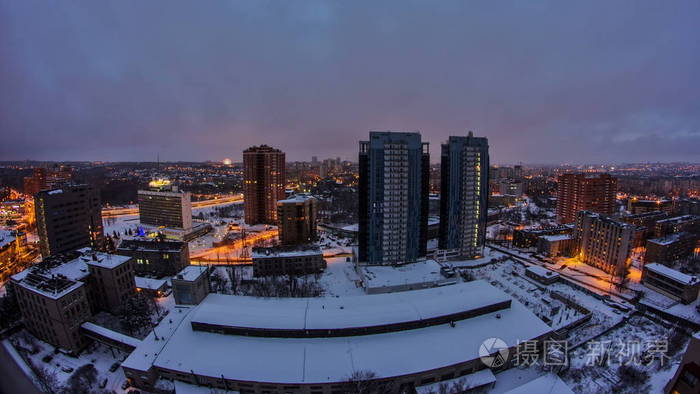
13, 378
115, 212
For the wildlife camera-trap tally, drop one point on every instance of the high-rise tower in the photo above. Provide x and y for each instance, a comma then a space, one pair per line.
464, 194
393, 192
263, 183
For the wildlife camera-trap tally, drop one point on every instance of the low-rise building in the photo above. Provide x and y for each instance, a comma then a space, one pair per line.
191, 285
157, 256
541, 274
670, 248
528, 238
556, 245
61, 292
313, 345
288, 260
671, 283
637, 206
152, 287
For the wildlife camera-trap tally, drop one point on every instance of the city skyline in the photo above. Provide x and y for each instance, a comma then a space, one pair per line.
601, 83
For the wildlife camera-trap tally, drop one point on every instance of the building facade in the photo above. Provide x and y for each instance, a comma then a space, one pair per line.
156, 256
636, 205
585, 192
63, 291
47, 179
288, 260
393, 190
671, 283
165, 206
464, 194
670, 248
191, 285
602, 242
297, 219
688, 223
264, 180
68, 219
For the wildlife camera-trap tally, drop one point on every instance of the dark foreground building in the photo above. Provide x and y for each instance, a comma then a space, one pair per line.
68, 219
156, 256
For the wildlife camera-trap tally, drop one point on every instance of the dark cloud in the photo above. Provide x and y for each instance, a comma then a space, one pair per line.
545, 81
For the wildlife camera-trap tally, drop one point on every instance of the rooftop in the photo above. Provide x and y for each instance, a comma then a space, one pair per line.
549, 383
151, 244
345, 312
679, 219
286, 251
670, 238
297, 198
540, 271
558, 237
6, 238
58, 275
332, 359
191, 272
671, 273
420, 272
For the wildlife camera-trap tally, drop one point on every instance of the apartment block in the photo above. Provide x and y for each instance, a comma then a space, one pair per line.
603, 242
68, 219
157, 256
63, 291
585, 192
393, 191
264, 180
297, 219
464, 194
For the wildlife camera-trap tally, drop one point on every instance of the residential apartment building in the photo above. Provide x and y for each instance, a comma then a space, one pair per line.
47, 178
603, 242
264, 180
393, 190
288, 260
165, 206
689, 223
510, 187
647, 220
156, 256
670, 248
68, 219
585, 192
63, 291
464, 194
297, 219
637, 206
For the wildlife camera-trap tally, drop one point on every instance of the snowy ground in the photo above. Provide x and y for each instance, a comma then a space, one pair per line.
592, 372
101, 356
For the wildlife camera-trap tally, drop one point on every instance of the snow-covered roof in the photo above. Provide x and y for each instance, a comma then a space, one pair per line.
669, 239
470, 381
297, 198
345, 312
283, 251
671, 273
549, 383
191, 272
70, 266
420, 272
333, 359
540, 271
149, 283
558, 237
107, 333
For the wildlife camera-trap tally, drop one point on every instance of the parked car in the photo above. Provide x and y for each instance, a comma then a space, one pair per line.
114, 367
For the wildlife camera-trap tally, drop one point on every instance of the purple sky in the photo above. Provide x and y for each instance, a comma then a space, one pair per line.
602, 81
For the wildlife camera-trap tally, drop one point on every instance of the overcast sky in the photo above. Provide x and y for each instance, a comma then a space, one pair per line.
546, 82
